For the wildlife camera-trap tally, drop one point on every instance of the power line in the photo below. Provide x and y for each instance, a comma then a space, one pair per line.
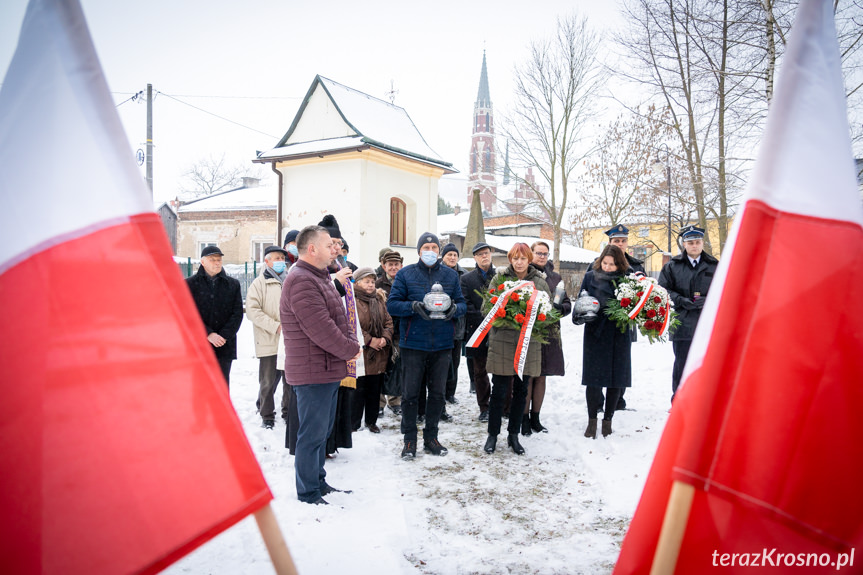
217, 116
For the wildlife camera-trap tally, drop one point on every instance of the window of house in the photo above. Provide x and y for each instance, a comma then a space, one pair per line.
398, 215
258, 247
488, 167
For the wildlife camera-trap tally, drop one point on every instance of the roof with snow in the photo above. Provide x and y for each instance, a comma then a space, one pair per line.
568, 253
245, 198
365, 122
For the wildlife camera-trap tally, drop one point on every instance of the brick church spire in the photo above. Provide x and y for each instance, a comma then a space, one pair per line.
482, 152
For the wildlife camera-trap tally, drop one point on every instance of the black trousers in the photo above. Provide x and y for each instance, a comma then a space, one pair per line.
416, 365
366, 398
481, 382
225, 365
593, 396
452, 377
500, 388
681, 352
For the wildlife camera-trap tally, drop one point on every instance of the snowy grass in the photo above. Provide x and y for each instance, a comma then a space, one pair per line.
563, 508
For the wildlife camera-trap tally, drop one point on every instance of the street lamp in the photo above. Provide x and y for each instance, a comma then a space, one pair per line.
658, 167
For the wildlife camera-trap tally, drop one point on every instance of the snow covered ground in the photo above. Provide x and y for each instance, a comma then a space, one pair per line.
563, 508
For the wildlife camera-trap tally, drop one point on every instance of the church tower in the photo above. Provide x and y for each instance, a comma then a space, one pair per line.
481, 164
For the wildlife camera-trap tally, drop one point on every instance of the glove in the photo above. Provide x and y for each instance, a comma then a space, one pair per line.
688, 304
698, 303
578, 319
558, 307
450, 313
419, 309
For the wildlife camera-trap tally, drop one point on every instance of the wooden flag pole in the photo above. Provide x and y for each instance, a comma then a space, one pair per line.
673, 528
275, 542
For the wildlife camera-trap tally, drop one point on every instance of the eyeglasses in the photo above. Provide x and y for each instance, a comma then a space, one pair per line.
541, 254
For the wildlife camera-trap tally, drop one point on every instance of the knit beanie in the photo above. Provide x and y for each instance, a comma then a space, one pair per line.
427, 238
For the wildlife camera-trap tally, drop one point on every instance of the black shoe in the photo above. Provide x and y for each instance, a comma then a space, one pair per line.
512, 441
490, 444
326, 489
434, 447
409, 451
525, 425
483, 415
421, 419
451, 399
535, 424
373, 428
445, 416
396, 409
621, 405
268, 423
318, 501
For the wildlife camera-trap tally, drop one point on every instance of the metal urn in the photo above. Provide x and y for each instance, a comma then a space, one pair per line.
586, 305
437, 302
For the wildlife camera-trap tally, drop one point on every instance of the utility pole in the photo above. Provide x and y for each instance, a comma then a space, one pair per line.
150, 137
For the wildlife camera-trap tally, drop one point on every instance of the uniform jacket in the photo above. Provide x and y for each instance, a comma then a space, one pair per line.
606, 359
262, 309
315, 327
502, 341
471, 282
460, 322
682, 282
376, 361
411, 284
220, 304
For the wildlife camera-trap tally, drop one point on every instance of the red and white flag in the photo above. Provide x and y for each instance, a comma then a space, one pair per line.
120, 449
767, 425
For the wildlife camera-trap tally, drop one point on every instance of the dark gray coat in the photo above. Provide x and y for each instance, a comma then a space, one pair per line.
683, 282
502, 341
220, 304
552, 352
607, 352
472, 282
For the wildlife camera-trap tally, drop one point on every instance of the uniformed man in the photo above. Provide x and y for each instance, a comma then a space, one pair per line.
687, 277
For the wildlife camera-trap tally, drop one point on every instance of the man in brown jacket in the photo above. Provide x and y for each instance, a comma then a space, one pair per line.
318, 346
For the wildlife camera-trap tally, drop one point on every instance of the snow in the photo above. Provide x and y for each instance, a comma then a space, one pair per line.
568, 253
254, 198
562, 508
316, 146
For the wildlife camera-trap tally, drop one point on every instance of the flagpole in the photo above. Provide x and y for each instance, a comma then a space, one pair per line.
673, 528
275, 542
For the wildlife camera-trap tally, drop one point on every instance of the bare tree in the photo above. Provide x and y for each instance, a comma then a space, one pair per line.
211, 175
555, 89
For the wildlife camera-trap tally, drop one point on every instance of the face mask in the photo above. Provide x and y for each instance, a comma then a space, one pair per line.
292, 249
428, 258
279, 267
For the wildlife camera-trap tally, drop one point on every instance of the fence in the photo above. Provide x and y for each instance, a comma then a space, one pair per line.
243, 273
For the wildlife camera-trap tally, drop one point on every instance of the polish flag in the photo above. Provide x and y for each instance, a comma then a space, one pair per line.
121, 451
766, 435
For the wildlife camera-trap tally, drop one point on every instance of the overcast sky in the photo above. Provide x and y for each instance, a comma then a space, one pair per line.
252, 62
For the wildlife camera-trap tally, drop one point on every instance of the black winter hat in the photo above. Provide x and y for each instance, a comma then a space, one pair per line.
211, 251
291, 236
329, 222
427, 238
450, 247
479, 246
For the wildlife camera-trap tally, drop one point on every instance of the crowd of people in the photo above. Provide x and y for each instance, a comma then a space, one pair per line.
348, 342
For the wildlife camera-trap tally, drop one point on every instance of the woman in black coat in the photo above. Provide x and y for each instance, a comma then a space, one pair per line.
607, 359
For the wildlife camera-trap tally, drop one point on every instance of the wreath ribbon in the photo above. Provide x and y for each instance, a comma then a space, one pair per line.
642, 300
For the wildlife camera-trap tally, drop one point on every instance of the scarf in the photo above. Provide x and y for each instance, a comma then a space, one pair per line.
377, 312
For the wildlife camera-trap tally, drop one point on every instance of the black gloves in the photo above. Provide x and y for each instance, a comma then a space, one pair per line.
687, 304
558, 307
419, 309
448, 315
698, 303
578, 319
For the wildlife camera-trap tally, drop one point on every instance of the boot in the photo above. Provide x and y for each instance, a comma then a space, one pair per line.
512, 441
490, 444
606, 427
590, 432
525, 425
535, 424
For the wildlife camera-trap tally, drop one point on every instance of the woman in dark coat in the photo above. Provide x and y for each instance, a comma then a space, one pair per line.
607, 359
501, 353
552, 352
377, 326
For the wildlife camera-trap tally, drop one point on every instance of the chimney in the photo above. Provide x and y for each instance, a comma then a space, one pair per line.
249, 182
456, 209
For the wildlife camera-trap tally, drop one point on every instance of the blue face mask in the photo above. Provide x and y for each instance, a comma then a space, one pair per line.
428, 257
292, 249
279, 267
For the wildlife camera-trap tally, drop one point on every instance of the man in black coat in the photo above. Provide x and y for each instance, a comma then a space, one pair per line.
687, 277
471, 282
218, 299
